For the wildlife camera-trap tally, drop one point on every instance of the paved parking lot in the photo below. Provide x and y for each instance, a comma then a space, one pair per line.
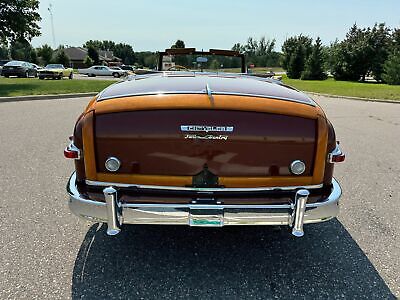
48, 253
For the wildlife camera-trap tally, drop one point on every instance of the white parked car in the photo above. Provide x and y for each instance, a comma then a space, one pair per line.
102, 71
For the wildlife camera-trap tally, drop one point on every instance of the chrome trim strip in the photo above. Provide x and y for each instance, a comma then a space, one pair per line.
178, 188
208, 206
311, 103
209, 92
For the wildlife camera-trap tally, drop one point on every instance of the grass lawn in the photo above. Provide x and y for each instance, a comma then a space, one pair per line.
347, 88
34, 86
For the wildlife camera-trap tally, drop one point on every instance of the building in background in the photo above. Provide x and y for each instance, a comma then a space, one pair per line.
77, 56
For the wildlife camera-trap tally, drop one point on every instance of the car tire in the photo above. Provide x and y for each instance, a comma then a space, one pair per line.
71, 75
41, 77
92, 75
116, 75
6, 76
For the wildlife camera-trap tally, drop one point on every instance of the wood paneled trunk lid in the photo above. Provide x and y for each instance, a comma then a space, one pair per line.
152, 142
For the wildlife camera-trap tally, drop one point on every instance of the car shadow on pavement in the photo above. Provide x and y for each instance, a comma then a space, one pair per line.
154, 262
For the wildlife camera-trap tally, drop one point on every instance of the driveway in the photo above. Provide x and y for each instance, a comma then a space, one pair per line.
48, 253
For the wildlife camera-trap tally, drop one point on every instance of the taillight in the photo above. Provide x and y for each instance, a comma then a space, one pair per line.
71, 151
336, 155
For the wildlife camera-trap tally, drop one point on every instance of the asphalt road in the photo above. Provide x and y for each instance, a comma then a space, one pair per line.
48, 253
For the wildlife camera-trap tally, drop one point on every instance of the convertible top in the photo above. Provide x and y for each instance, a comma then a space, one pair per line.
200, 83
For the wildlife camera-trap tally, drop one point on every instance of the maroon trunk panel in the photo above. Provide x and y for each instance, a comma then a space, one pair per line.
151, 142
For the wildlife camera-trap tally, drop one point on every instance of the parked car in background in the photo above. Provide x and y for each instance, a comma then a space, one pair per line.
3, 62
119, 69
129, 69
19, 69
203, 149
102, 71
56, 71
37, 67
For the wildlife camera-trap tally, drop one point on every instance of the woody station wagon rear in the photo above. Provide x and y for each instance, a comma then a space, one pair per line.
203, 149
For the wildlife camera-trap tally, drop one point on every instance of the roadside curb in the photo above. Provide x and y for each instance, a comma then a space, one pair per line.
353, 98
46, 97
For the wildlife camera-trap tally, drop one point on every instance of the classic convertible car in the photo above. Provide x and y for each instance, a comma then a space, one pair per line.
203, 149
55, 71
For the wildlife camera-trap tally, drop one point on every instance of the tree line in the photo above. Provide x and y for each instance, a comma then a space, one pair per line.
372, 51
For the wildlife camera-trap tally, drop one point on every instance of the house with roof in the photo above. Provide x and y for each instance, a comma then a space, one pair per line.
77, 56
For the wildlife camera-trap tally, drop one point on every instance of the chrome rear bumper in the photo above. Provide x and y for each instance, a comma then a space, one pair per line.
115, 213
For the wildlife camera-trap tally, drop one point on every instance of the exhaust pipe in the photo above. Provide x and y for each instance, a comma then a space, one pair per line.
113, 216
300, 208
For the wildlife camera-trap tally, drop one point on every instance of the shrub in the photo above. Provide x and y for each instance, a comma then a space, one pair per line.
391, 69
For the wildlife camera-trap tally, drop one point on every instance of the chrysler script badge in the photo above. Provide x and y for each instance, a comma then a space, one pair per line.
193, 132
206, 128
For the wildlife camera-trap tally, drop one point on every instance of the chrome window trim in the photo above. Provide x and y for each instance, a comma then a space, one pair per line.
178, 188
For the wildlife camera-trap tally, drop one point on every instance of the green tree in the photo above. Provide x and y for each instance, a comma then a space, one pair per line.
96, 44
314, 67
391, 68
394, 44
259, 52
94, 55
237, 47
296, 64
18, 20
150, 61
108, 45
379, 47
361, 53
178, 44
45, 53
3, 52
100, 45
295, 52
146, 58
22, 50
88, 61
62, 58
125, 52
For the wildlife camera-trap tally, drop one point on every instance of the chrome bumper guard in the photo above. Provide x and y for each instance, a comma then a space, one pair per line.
115, 213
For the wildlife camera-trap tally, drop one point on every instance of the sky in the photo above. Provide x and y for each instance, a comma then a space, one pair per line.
156, 25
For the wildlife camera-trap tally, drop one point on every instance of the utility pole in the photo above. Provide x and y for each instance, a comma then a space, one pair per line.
50, 9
